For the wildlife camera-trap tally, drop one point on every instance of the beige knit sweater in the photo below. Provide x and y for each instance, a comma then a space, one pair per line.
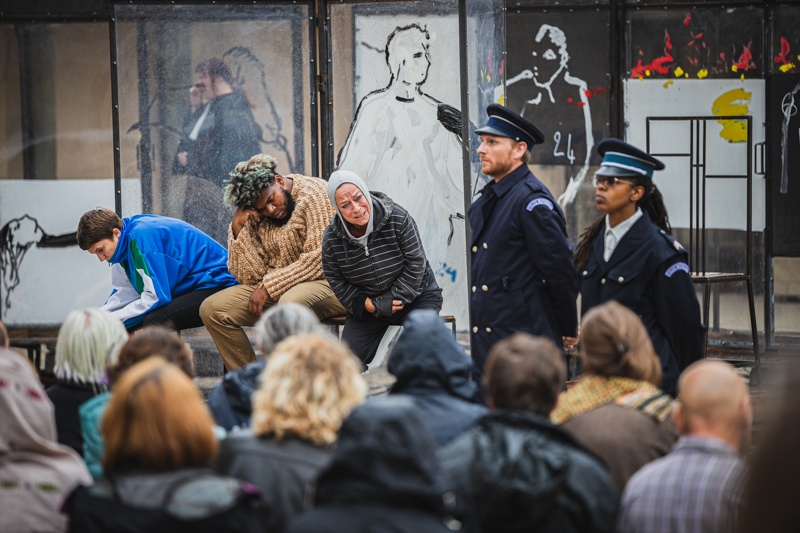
280, 257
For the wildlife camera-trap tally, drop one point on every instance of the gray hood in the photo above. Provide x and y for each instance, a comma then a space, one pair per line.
339, 178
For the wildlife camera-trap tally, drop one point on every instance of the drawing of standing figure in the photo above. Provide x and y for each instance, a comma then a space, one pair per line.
553, 92
407, 144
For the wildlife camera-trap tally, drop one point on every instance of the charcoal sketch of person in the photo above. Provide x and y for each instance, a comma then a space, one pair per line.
18, 236
407, 144
553, 89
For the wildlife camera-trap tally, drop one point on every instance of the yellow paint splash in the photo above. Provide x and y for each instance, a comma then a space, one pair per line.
733, 102
669, 82
647, 73
702, 73
786, 67
678, 72
502, 100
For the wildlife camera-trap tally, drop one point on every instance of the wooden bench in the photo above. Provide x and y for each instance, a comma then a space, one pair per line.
336, 322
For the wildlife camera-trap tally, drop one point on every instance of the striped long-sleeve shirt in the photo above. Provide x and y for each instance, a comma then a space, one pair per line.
392, 263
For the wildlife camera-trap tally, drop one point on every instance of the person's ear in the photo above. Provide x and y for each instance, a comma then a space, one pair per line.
678, 418
279, 180
116, 233
637, 193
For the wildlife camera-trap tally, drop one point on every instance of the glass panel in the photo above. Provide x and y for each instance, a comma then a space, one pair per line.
786, 39
558, 64
683, 42
180, 140
397, 121
56, 162
67, 102
10, 113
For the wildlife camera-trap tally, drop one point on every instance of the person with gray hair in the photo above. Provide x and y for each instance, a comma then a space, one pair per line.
88, 343
230, 400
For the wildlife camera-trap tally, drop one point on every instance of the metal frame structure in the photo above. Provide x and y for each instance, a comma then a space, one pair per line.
697, 157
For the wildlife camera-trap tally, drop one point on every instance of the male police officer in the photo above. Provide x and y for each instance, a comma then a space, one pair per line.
522, 273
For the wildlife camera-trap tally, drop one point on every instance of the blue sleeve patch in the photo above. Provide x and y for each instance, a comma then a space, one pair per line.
539, 201
675, 268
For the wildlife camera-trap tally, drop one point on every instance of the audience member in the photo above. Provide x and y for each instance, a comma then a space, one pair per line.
310, 384
616, 409
434, 371
516, 470
159, 444
275, 251
769, 501
697, 486
87, 344
373, 258
36, 472
384, 475
152, 340
230, 400
161, 268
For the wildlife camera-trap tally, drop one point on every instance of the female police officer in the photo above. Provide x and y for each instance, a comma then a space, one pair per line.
628, 255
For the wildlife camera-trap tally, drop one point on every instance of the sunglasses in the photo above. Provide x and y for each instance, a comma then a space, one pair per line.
611, 181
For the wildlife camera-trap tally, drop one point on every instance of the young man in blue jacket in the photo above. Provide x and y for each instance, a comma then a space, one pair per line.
161, 268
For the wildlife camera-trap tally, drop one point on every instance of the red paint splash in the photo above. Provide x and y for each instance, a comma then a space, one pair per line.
502, 67
746, 59
781, 58
658, 64
687, 19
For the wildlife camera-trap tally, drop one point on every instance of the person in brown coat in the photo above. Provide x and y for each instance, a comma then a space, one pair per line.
616, 409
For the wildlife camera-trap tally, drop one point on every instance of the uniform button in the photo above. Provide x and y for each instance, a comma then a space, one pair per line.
485, 246
485, 288
602, 281
474, 288
474, 249
585, 273
475, 329
488, 330
620, 279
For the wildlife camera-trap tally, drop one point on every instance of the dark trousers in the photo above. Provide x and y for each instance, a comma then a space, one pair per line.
183, 312
363, 335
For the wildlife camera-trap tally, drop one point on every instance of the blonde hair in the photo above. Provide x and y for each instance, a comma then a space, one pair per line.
157, 420
614, 342
87, 344
309, 386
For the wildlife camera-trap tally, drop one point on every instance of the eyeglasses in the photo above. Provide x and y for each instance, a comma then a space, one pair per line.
611, 181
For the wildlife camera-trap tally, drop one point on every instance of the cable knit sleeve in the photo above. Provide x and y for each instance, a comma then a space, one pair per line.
247, 259
303, 241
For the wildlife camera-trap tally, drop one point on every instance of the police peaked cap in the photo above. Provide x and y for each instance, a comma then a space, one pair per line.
505, 123
622, 159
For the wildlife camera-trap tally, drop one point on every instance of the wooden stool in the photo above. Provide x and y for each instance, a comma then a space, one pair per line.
336, 322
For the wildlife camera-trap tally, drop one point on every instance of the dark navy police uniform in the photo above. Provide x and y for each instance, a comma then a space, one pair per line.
649, 273
522, 273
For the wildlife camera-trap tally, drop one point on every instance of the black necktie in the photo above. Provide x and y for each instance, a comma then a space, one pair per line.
491, 201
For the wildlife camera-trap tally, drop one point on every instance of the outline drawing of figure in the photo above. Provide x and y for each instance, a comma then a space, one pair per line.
407, 145
550, 66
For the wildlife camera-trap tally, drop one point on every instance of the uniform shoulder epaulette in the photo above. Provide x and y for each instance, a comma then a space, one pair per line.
673, 243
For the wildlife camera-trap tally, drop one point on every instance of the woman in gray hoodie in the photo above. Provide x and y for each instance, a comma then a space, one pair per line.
372, 257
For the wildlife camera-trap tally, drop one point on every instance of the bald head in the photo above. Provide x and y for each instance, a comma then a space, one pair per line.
713, 401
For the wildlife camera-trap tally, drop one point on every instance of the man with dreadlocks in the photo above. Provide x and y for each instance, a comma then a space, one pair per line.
274, 251
637, 262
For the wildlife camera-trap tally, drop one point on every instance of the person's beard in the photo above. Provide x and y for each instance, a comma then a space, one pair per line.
289, 203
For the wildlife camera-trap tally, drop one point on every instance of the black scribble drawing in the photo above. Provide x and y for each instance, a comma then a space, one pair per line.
16, 238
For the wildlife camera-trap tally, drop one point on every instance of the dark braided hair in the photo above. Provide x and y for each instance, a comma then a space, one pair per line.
651, 203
